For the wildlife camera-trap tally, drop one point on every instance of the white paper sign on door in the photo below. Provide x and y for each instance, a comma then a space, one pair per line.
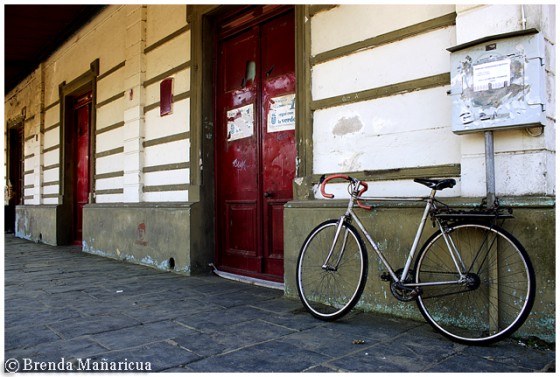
240, 122
282, 113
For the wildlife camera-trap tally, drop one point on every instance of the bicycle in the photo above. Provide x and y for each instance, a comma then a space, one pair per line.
472, 281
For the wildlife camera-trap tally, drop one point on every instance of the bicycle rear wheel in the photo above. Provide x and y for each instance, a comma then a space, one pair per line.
330, 289
498, 290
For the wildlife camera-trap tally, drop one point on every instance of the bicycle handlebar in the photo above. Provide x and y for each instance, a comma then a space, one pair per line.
330, 177
347, 178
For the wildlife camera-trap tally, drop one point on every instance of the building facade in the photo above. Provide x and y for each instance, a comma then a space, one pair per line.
177, 136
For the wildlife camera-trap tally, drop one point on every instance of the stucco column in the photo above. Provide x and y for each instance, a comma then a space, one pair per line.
135, 71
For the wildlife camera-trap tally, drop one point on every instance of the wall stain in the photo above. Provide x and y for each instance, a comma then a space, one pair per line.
347, 125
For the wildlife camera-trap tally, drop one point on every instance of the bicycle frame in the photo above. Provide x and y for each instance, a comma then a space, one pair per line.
350, 214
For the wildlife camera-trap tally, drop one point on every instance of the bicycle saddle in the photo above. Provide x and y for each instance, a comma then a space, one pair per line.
436, 184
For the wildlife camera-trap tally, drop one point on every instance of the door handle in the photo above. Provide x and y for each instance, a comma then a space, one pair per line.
267, 194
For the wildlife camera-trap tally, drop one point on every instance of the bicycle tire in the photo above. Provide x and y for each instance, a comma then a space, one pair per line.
330, 294
498, 294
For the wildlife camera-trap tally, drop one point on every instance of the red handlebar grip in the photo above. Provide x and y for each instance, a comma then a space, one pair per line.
364, 206
335, 176
347, 178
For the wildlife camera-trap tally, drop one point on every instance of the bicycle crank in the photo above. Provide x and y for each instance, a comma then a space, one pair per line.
404, 293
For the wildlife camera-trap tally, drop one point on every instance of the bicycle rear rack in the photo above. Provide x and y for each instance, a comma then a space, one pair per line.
480, 213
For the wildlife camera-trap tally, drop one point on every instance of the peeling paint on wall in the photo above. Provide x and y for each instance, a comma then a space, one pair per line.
347, 125
352, 163
147, 260
24, 226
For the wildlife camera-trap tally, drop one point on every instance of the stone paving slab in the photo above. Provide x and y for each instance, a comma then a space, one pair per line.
73, 311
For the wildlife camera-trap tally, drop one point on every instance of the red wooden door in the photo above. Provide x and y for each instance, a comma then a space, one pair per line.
81, 163
255, 143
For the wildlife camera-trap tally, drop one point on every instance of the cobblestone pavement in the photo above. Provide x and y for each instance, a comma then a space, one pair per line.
68, 310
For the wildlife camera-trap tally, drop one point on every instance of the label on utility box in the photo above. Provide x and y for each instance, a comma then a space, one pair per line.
494, 75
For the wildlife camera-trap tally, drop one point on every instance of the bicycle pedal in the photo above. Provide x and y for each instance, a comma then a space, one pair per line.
386, 276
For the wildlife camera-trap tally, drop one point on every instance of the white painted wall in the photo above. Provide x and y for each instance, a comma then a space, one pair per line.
347, 24
162, 21
407, 130
412, 58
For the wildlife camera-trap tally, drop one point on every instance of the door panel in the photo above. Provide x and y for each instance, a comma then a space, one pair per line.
237, 151
241, 216
81, 159
255, 158
278, 140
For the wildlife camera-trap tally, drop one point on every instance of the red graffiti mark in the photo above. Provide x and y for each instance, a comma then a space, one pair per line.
141, 235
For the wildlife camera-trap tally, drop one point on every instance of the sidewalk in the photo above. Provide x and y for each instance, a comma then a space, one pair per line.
68, 310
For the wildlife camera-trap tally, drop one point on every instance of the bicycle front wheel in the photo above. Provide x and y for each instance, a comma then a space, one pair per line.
495, 294
330, 288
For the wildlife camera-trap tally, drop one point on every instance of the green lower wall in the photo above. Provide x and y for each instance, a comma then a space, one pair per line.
154, 235
38, 223
176, 237
394, 227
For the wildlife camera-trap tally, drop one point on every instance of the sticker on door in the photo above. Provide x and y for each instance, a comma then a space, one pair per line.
240, 123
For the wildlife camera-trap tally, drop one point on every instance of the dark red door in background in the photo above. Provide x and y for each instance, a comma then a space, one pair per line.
82, 110
15, 165
255, 143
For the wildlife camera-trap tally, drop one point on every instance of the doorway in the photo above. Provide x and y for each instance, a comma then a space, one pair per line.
15, 177
81, 165
255, 150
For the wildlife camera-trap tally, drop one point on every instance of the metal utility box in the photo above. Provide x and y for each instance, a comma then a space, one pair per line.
498, 82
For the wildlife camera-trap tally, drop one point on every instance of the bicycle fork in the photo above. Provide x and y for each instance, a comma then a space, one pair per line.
326, 265
347, 215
